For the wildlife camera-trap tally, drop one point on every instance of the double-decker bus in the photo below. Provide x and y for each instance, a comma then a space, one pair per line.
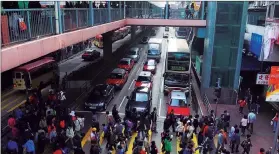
30, 76
177, 66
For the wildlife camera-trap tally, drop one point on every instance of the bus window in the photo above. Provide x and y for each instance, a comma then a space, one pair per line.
18, 75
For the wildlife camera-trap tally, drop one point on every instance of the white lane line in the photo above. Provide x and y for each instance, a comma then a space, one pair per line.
139, 69
160, 106
131, 84
163, 117
162, 84
121, 103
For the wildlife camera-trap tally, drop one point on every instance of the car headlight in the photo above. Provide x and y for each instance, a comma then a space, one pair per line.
117, 85
101, 104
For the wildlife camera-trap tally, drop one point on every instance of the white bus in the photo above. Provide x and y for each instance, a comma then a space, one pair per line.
154, 49
178, 65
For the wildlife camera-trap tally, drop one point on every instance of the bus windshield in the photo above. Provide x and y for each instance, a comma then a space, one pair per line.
178, 61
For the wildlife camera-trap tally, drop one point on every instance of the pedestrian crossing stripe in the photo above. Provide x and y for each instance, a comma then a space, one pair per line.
87, 137
195, 141
132, 139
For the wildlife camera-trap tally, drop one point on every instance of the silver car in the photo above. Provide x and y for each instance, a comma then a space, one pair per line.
134, 53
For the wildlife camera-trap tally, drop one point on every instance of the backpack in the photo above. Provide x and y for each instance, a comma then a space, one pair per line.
129, 123
62, 124
245, 144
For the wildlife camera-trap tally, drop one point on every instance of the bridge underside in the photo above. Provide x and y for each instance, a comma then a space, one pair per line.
22, 53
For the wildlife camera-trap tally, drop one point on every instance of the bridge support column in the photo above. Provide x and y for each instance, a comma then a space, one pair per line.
223, 43
133, 32
107, 43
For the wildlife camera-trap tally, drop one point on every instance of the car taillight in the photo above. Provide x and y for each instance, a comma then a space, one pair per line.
14, 85
145, 67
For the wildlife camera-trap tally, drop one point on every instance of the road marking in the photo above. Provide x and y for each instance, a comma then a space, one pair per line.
11, 109
139, 69
195, 141
121, 103
86, 138
11, 102
162, 84
178, 139
8, 93
130, 146
160, 106
132, 83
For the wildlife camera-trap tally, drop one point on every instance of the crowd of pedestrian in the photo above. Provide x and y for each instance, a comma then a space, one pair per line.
42, 124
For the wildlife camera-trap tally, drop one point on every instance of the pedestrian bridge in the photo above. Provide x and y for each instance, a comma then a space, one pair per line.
42, 39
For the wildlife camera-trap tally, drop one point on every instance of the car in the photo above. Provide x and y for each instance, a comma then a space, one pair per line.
126, 63
167, 29
144, 79
134, 53
150, 65
118, 77
144, 40
99, 97
90, 54
166, 35
178, 103
140, 101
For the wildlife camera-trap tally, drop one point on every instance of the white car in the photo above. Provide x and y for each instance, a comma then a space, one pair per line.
166, 35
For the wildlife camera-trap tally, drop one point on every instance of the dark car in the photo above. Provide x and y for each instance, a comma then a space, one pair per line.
144, 40
91, 54
118, 77
141, 100
99, 97
150, 65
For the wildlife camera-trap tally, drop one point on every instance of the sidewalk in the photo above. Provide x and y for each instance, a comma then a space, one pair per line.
262, 136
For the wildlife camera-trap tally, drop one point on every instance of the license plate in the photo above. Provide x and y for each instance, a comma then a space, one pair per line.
92, 107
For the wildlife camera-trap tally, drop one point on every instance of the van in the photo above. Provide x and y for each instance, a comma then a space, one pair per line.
154, 49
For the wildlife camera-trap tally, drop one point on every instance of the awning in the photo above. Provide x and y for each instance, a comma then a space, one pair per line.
250, 64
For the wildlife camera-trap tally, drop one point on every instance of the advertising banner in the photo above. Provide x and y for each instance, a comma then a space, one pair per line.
262, 79
272, 94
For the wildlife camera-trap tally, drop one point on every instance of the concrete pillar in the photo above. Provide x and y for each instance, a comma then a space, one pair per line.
91, 14
133, 32
107, 43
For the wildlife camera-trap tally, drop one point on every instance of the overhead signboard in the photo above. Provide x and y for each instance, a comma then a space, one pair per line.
262, 79
256, 44
272, 94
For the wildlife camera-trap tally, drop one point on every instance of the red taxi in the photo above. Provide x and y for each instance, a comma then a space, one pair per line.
177, 102
150, 65
118, 77
126, 63
144, 79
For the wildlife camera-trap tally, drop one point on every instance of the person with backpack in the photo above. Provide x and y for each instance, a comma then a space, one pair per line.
153, 148
167, 145
41, 142
246, 144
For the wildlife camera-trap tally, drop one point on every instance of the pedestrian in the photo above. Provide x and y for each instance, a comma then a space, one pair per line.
173, 120
262, 151
257, 102
242, 103
231, 132
154, 116
196, 123
153, 148
77, 127
41, 141
11, 121
167, 145
167, 123
220, 141
243, 124
70, 134
246, 144
43, 123
251, 120
18, 113
235, 141
179, 129
275, 121
12, 146
29, 146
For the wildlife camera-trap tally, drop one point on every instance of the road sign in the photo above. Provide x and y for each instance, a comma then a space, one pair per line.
262, 79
